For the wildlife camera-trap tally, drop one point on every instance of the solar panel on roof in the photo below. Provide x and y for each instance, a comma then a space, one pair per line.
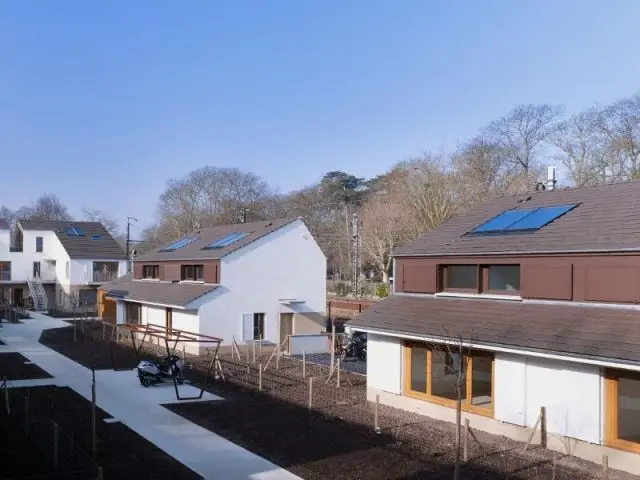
228, 240
500, 222
541, 217
179, 244
74, 231
523, 220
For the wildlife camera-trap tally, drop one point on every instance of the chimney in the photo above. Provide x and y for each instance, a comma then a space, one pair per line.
551, 177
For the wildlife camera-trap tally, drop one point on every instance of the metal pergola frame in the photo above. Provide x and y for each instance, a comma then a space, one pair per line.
171, 340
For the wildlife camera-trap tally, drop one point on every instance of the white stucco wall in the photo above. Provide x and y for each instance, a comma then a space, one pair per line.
286, 264
384, 363
571, 393
22, 262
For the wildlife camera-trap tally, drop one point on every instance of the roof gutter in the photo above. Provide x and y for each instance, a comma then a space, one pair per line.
494, 347
525, 252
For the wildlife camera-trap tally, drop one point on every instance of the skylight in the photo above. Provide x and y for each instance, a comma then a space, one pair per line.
74, 231
179, 244
96, 237
523, 220
228, 240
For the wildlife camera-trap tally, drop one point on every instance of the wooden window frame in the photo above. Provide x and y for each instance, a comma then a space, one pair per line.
484, 283
612, 378
196, 268
444, 282
155, 272
467, 405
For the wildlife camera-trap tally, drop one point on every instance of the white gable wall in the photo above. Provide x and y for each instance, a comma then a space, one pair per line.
286, 264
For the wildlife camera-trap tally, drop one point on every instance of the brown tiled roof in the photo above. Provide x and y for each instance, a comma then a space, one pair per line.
96, 243
607, 218
4, 224
196, 250
583, 331
164, 293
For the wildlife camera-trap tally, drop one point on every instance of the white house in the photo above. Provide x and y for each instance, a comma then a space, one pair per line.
57, 264
532, 299
251, 281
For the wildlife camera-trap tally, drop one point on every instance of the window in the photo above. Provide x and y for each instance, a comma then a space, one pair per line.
436, 375
503, 278
88, 297
623, 410
133, 313
228, 240
460, 277
258, 326
96, 237
497, 279
39, 241
193, 273
67, 270
151, 271
36, 269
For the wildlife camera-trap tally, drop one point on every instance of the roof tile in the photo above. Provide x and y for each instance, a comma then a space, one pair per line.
606, 219
589, 331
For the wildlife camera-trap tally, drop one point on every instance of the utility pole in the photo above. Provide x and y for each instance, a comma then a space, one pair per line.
243, 215
129, 220
355, 254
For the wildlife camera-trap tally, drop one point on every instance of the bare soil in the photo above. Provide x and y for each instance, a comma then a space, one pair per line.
122, 453
335, 439
14, 366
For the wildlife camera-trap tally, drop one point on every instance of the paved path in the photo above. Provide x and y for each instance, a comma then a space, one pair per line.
121, 396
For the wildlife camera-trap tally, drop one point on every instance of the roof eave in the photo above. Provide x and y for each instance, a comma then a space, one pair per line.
492, 345
516, 252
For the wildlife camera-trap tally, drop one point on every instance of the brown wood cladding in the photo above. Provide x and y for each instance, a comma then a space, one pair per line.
170, 270
599, 278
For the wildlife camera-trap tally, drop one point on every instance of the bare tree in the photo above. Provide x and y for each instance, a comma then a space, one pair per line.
384, 226
582, 147
620, 127
49, 207
430, 193
108, 222
522, 133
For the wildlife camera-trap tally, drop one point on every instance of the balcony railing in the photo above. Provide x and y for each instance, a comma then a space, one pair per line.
5, 275
104, 276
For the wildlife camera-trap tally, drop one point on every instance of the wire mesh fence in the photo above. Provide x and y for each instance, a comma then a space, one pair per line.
59, 454
338, 393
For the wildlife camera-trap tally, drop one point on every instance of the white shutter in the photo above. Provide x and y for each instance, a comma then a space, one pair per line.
247, 327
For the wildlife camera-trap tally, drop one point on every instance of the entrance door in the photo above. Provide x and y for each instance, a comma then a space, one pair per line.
36, 269
17, 297
169, 321
286, 326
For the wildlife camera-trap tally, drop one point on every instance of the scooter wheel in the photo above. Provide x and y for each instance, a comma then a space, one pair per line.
145, 381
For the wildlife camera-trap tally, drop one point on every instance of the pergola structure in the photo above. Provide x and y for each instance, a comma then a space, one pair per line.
171, 338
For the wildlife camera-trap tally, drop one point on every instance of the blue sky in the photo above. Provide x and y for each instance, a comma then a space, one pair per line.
102, 102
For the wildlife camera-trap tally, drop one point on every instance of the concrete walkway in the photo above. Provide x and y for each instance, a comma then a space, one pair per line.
121, 396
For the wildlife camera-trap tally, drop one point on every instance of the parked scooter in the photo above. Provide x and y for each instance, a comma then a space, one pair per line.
152, 373
356, 346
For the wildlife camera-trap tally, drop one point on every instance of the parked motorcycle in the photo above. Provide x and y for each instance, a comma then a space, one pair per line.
152, 373
356, 346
